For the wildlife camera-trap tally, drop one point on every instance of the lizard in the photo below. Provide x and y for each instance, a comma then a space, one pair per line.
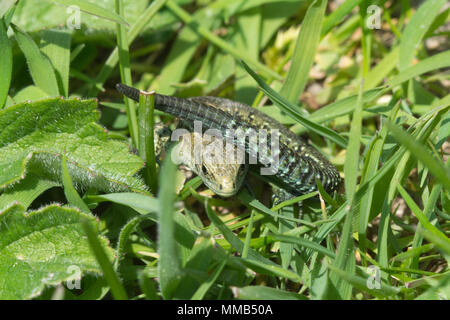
223, 178
299, 164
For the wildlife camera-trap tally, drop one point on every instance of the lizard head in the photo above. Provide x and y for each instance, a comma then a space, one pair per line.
223, 179
221, 170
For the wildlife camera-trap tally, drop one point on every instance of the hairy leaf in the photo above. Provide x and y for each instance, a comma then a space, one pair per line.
34, 136
43, 247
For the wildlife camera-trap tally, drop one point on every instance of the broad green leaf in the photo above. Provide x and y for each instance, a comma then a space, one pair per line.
236, 6
92, 8
26, 191
6, 63
274, 16
200, 260
55, 44
265, 293
416, 29
41, 248
247, 39
142, 21
321, 286
32, 15
5, 5
304, 52
33, 136
30, 93
181, 53
337, 15
222, 44
41, 69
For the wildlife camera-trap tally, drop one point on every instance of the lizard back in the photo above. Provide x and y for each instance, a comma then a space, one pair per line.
299, 164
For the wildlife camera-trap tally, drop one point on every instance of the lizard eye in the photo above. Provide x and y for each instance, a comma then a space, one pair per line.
204, 171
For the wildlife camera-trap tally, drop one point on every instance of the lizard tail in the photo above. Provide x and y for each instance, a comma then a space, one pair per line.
184, 109
130, 92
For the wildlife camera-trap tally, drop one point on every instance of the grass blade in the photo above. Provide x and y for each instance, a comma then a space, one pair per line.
72, 196
291, 110
416, 29
125, 73
421, 153
205, 286
337, 15
345, 259
361, 283
265, 293
124, 236
169, 264
235, 242
381, 70
137, 201
423, 219
440, 60
6, 63
304, 52
304, 243
428, 210
41, 69
146, 139
111, 277
272, 270
351, 166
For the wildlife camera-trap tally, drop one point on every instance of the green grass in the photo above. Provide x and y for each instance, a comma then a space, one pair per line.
374, 102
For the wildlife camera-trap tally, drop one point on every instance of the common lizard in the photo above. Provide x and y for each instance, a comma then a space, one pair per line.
299, 164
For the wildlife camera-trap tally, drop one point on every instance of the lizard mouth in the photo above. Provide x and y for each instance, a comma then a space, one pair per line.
223, 191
